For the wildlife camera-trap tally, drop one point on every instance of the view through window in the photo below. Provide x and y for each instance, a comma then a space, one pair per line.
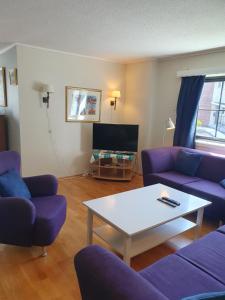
211, 112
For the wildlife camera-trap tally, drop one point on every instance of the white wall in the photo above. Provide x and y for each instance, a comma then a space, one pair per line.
140, 98
168, 85
152, 90
9, 61
49, 144
66, 150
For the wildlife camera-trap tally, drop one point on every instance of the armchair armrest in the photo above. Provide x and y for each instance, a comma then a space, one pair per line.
17, 217
157, 160
43, 185
102, 275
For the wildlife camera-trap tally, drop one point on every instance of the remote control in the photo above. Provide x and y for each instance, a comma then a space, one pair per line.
171, 200
167, 202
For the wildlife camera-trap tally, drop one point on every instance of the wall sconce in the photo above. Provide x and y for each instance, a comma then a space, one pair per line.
48, 89
115, 95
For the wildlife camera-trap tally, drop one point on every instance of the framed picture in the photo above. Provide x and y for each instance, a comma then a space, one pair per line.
82, 104
13, 79
3, 95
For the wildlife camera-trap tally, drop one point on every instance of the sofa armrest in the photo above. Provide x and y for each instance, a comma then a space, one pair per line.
17, 217
44, 185
102, 275
157, 160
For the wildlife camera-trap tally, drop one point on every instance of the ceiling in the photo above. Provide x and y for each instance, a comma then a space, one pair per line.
120, 30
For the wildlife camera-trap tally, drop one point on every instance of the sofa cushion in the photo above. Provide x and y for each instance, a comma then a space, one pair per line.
211, 191
171, 178
50, 216
207, 254
212, 167
12, 185
176, 278
187, 162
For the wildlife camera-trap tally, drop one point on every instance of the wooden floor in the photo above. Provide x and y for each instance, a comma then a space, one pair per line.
24, 275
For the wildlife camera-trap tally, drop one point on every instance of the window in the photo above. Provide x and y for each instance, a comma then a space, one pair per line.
211, 111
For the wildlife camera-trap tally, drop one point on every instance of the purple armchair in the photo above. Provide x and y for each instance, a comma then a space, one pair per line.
25, 222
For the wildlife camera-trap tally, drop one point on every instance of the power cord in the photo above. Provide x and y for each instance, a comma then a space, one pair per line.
60, 163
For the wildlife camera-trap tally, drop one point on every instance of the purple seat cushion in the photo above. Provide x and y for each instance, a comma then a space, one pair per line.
208, 254
206, 189
50, 216
171, 178
211, 191
176, 278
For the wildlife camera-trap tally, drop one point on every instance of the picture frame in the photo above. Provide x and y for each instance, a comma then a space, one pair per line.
13, 77
83, 104
3, 90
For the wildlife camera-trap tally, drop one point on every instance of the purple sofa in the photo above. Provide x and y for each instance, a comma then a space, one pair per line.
158, 167
195, 269
37, 221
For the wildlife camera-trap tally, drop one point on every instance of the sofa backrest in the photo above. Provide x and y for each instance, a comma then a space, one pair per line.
104, 276
212, 166
9, 160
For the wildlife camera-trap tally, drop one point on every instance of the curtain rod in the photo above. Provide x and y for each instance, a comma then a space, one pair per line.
206, 71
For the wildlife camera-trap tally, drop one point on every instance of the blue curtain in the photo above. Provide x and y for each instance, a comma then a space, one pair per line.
187, 109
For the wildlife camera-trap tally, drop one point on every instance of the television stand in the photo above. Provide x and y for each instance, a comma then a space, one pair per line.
113, 165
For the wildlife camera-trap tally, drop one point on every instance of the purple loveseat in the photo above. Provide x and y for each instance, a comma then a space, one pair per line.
197, 268
27, 222
158, 167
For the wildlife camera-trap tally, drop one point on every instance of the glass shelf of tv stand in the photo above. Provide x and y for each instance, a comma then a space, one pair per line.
113, 168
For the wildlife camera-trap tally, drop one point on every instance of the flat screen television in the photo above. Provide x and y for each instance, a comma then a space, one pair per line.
115, 137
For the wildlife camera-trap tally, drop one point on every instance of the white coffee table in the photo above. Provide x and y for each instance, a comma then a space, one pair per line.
136, 221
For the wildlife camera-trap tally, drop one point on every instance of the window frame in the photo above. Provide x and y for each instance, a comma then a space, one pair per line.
215, 139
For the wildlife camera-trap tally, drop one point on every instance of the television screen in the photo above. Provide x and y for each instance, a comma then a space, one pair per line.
115, 137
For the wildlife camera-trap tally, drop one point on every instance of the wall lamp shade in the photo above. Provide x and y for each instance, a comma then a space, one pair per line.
115, 95
48, 89
169, 124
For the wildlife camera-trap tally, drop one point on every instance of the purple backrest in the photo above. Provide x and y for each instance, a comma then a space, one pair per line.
159, 160
212, 166
104, 276
9, 160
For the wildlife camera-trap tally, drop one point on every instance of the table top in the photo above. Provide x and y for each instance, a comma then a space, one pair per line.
137, 210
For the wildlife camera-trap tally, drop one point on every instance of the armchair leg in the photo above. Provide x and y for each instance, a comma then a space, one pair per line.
44, 252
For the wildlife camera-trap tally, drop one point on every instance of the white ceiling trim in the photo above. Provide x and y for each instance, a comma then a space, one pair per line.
65, 52
2, 51
191, 54
134, 61
205, 71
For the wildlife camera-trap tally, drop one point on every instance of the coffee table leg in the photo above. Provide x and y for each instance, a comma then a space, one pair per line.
89, 227
199, 222
127, 246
